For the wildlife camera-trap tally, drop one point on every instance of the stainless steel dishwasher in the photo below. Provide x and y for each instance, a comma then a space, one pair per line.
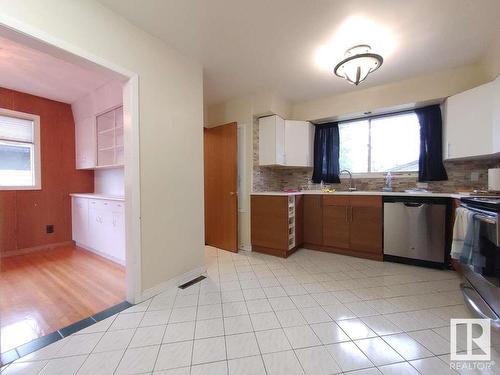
416, 230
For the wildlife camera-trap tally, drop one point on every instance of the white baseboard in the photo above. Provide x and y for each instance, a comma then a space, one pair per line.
245, 247
172, 283
101, 253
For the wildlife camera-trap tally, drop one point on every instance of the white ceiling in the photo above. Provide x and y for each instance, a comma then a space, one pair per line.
248, 46
29, 70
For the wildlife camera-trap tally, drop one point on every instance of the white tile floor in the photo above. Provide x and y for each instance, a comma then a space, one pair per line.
313, 313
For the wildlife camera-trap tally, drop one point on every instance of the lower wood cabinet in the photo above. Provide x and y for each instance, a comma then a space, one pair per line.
99, 226
344, 224
276, 224
313, 219
353, 225
366, 225
336, 226
350, 225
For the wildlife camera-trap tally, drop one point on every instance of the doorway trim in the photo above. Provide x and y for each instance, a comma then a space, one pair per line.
34, 38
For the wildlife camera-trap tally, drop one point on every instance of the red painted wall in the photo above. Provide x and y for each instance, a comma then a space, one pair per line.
25, 214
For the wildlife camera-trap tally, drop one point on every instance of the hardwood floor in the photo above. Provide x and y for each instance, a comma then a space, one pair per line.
47, 290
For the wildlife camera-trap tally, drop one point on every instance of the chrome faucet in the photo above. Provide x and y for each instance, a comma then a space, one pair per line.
351, 186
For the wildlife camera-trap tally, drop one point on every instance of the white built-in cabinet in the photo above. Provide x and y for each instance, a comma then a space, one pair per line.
285, 142
99, 226
472, 122
109, 134
99, 127
85, 143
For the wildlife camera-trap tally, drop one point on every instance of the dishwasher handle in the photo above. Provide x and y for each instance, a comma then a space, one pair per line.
413, 204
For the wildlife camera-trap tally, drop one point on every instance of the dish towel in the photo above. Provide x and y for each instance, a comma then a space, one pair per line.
463, 218
471, 253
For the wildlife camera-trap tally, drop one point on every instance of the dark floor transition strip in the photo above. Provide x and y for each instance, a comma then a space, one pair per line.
192, 282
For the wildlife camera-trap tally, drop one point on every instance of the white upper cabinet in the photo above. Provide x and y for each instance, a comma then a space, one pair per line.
271, 141
284, 142
472, 122
99, 127
299, 136
496, 115
85, 143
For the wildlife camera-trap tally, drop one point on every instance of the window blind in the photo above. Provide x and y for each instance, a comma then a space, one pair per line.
16, 129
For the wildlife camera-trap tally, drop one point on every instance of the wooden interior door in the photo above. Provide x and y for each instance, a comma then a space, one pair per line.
221, 174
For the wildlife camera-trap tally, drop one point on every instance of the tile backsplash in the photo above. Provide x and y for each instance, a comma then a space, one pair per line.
460, 175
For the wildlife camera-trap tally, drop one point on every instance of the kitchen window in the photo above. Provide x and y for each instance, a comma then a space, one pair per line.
380, 144
19, 151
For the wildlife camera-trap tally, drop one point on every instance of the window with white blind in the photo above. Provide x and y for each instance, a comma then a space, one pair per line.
19, 151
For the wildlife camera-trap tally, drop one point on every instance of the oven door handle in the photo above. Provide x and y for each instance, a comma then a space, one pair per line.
474, 301
486, 219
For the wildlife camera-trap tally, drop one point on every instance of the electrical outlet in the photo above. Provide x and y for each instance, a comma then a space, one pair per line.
474, 176
49, 228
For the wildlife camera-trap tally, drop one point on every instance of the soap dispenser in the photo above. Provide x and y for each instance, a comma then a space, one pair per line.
388, 182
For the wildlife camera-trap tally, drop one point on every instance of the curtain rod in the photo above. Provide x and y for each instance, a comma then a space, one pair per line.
369, 116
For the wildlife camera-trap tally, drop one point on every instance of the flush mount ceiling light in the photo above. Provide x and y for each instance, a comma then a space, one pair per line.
357, 64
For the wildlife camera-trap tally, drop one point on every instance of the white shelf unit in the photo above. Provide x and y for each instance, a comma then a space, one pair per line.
291, 222
109, 131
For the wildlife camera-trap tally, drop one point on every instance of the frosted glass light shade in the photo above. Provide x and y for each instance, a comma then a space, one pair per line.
359, 62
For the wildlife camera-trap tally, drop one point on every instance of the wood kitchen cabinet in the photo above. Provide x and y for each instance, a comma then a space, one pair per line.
313, 219
350, 225
366, 224
276, 224
353, 225
336, 227
344, 224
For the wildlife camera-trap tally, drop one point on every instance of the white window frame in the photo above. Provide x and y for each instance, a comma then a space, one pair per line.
36, 148
401, 174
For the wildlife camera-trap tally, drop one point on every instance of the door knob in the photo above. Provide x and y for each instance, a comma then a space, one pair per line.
232, 193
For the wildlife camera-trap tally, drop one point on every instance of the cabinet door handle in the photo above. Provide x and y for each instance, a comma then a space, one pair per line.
346, 214
352, 215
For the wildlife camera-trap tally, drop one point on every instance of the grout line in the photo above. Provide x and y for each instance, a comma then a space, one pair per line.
284, 270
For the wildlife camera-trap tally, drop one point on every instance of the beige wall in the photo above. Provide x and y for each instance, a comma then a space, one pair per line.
170, 123
491, 62
414, 90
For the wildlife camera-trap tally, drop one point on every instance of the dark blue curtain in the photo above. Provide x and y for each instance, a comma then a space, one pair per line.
326, 153
430, 163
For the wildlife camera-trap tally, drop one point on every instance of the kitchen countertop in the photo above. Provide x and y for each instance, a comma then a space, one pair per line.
98, 196
383, 193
